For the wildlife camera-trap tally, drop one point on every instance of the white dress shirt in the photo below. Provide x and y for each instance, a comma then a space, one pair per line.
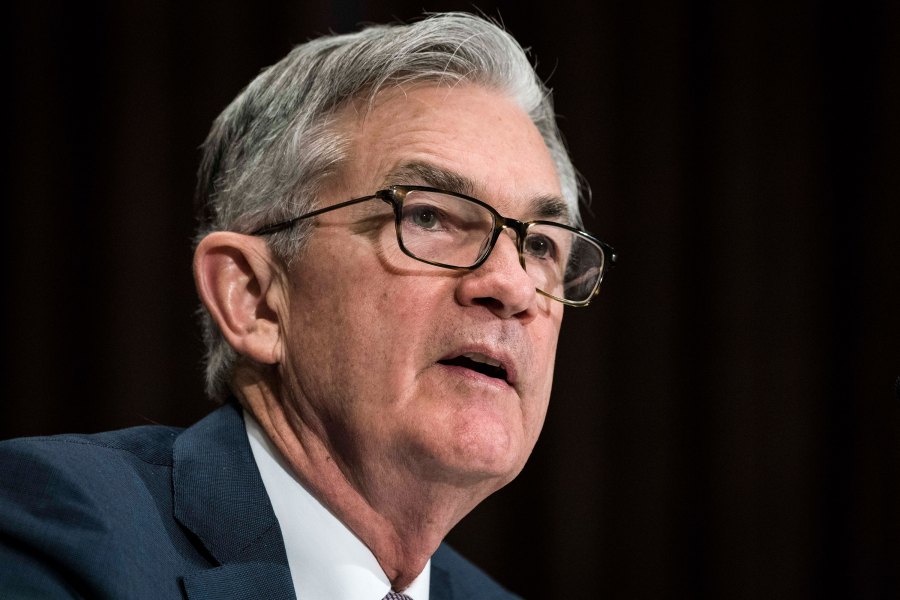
327, 561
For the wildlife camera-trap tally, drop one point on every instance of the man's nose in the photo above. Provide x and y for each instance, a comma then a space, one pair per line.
500, 283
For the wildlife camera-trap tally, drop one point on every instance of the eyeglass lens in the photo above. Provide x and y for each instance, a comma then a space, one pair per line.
453, 231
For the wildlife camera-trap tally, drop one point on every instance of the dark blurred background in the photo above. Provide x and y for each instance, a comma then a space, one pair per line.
723, 423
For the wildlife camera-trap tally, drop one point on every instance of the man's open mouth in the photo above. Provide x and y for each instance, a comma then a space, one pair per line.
478, 362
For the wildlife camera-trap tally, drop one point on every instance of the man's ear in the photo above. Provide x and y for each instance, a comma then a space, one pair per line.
239, 282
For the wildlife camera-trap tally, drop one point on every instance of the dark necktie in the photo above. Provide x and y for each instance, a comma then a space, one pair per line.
395, 596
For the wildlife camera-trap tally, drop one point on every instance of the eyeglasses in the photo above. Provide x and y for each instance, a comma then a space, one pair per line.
455, 231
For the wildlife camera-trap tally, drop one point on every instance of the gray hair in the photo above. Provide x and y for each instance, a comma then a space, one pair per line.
272, 148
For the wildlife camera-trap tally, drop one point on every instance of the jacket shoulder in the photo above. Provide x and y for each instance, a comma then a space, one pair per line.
150, 444
37, 470
83, 505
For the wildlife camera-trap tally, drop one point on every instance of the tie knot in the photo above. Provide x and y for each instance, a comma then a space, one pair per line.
396, 596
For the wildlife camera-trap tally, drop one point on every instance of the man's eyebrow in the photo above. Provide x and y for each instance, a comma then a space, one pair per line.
420, 173
551, 207
547, 206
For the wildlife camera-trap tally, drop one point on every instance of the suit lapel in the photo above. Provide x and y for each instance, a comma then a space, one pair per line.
220, 497
441, 587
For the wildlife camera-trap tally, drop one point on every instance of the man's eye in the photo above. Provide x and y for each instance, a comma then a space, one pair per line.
540, 246
426, 217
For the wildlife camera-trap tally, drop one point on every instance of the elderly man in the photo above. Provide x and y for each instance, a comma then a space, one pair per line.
389, 238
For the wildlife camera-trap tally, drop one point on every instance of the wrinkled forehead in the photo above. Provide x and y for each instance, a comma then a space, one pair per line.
468, 139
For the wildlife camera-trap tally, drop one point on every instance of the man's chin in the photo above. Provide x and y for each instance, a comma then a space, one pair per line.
476, 456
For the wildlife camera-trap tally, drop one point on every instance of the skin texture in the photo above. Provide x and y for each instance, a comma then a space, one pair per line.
340, 351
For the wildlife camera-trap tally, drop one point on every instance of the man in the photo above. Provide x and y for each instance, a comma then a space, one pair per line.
381, 337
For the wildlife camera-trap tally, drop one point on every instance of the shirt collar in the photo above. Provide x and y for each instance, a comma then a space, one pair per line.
327, 561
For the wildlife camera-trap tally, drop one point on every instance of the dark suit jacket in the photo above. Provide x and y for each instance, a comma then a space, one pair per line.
157, 512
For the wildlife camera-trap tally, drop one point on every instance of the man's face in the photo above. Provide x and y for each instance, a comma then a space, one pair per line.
374, 339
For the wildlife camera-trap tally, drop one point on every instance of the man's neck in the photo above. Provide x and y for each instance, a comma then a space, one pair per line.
326, 559
401, 522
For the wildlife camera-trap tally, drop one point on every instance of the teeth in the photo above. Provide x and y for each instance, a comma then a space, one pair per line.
478, 357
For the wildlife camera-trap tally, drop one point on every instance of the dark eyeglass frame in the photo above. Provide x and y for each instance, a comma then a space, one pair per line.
395, 195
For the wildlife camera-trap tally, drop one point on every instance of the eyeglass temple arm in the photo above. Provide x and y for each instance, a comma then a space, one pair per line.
267, 229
